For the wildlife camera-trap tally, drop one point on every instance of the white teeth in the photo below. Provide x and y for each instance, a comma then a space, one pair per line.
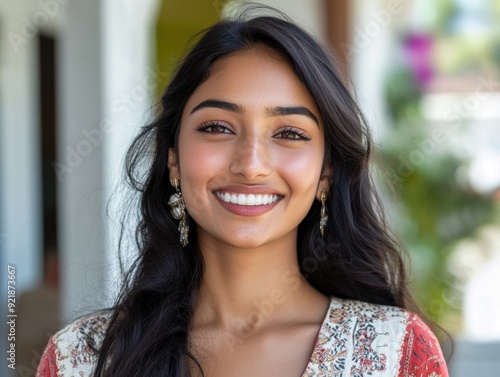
247, 200
242, 200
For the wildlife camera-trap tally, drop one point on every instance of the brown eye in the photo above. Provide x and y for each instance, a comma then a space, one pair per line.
289, 135
292, 134
213, 128
216, 129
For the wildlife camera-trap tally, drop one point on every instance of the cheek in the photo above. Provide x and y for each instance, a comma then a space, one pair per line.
202, 169
199, 160
302, 169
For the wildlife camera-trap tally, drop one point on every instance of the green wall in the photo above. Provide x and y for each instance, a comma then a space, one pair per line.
178, 21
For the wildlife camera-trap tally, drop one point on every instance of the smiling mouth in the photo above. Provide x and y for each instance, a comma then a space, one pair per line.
248, 199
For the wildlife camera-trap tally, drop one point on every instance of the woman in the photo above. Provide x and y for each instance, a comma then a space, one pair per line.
263, 249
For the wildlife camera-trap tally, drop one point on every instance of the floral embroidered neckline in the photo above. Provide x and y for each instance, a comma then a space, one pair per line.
316, 342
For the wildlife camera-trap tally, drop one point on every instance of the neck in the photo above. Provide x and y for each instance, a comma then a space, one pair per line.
247, 287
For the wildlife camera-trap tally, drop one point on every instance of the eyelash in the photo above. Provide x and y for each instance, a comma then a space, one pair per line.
205, 127
297, 132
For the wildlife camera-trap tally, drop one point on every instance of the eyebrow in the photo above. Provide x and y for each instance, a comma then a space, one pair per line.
219, 105
276, 111
293, 110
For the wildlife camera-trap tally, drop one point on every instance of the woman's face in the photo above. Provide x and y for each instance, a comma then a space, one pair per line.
251, 147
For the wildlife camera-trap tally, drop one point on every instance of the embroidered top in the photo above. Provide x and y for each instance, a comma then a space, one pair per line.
355, 339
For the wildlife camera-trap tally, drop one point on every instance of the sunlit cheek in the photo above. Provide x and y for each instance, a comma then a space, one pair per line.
202, 170
302, 169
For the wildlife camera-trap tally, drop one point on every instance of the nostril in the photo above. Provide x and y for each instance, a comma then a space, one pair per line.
251, 160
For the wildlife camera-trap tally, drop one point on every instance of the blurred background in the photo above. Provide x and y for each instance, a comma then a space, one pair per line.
78, 79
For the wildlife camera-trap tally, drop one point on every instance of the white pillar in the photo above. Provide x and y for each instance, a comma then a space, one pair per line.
129, 82
81, 180
20, 186
21, 232
372, 40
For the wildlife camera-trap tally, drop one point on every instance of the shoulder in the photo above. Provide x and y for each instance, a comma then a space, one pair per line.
368, 339
70, 352
386, 322
366, 310
421, 352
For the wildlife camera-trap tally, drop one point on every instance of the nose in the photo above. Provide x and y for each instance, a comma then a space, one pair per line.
251, 158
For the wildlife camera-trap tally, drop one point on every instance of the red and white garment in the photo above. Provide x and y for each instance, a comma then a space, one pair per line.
355, 339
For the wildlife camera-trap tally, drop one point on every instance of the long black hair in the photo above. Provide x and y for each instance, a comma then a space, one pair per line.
357, 258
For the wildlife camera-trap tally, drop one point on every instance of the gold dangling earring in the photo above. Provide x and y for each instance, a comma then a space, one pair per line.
178, 211
323, 217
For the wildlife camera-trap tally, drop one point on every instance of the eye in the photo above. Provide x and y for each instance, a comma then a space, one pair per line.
214, 127
291, 133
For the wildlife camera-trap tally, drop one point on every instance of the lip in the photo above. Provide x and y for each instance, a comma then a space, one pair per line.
247, 210
241, 189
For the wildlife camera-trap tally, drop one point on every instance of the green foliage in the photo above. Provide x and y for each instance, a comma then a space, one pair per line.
402, 96
435, 209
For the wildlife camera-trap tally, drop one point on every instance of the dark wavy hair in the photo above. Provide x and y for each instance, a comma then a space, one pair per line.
357, 258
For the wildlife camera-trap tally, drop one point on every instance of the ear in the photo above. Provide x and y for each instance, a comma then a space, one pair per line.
173, 165
325, 181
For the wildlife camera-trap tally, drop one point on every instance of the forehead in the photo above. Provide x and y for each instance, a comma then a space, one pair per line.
254, 77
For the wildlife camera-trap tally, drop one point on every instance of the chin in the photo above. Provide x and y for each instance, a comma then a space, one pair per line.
245, 242
250, 244
241, 237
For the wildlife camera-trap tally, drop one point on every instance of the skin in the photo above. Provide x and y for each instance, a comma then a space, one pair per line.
255, 314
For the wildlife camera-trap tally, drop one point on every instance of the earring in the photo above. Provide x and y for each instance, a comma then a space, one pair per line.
178, 211
323, 217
